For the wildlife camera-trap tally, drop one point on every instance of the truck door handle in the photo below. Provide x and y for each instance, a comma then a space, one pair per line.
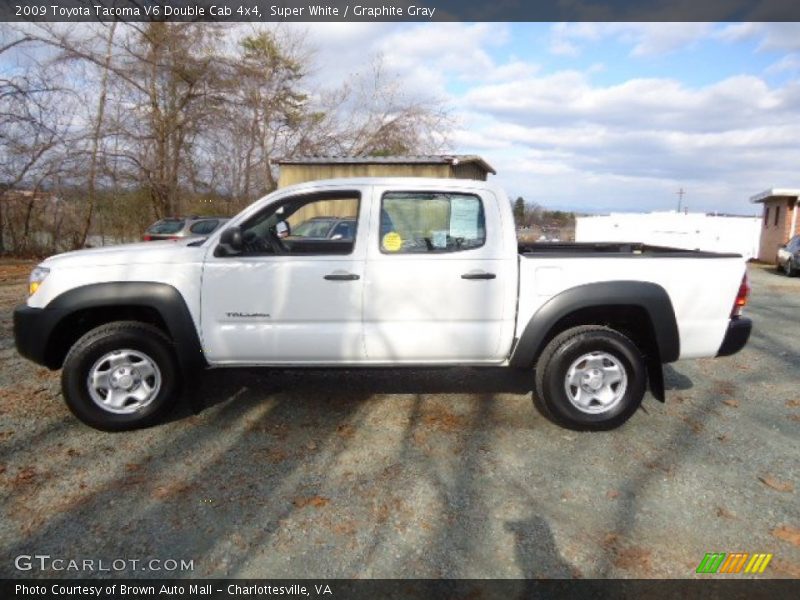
478, 275
341, 276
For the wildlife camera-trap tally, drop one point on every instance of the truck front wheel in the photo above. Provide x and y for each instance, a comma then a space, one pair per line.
590, 378
120, 376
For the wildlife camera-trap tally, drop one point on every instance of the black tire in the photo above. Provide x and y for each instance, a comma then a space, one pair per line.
787, 268
551, 397
89, 349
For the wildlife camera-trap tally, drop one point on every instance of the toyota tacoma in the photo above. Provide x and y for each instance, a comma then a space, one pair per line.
433, 275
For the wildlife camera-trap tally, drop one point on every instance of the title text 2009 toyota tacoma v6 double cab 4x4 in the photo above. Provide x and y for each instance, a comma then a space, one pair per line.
433, 275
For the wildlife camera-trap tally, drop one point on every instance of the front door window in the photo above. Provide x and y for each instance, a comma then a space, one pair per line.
303, 225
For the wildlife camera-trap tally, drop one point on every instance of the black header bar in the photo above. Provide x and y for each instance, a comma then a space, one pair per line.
397, 10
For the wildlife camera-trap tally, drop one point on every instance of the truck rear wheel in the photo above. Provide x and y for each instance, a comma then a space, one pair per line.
120, 376
590, 378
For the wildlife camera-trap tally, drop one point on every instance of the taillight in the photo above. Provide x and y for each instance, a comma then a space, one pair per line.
741, 297
146, 238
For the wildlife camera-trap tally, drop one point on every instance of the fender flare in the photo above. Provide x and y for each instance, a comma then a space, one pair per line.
640, 294
161, 297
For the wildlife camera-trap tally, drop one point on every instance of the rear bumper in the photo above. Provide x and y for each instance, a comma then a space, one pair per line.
736, 337
32, 330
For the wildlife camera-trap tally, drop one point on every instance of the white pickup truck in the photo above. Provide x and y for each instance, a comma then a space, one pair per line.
429, 272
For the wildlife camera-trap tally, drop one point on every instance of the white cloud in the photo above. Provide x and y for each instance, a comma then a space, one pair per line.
478, 140
644, 135
770, 36
512, 70
568, 96
788, 64
645, 39
424, 56
655, 39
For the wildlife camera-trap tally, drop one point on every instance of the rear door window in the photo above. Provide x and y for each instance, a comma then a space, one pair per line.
420, 222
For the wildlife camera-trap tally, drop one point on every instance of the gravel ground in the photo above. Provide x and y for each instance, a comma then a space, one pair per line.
433, 473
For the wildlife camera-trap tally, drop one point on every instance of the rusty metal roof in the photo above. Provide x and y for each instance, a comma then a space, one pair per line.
417, 159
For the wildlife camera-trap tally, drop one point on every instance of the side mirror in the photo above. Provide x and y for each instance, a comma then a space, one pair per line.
338, 236
230, 242
282, 229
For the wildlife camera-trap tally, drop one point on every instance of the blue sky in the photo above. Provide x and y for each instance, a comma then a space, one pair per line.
602, 117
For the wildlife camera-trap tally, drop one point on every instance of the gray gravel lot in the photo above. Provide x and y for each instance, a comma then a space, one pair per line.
434, 473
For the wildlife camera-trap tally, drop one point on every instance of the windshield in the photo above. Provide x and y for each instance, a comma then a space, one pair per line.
166, 226
316, 228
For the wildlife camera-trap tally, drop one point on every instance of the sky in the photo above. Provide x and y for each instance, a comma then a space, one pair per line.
600, 117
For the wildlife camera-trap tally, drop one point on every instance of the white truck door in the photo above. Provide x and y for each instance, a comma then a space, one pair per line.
440, 284
291, 296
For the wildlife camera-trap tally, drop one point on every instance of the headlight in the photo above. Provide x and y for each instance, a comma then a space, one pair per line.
38, 275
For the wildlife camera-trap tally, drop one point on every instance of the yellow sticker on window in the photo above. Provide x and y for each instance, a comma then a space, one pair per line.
392, 242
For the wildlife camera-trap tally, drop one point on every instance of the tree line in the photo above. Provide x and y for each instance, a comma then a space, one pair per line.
106, 127
530, 214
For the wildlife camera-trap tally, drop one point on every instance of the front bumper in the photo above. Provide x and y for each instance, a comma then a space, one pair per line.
33, 328
736, 337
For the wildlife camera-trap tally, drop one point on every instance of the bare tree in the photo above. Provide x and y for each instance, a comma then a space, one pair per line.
124, 123
166, 75
276, 113
33, 128
172, 72
265, 109
375, 117
97, 129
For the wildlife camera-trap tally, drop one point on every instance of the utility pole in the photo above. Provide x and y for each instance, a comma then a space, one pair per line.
680, 194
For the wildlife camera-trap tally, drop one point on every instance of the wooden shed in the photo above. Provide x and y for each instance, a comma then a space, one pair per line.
449, 166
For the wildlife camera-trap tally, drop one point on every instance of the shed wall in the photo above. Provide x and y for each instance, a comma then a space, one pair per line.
469, 171
292, 174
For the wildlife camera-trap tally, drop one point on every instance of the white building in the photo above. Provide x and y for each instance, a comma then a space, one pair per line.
693, 231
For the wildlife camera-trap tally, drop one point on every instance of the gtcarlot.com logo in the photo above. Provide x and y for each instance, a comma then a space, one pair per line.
736, 562
45, 562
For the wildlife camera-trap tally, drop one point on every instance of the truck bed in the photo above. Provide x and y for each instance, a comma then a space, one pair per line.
701, 291
611, 249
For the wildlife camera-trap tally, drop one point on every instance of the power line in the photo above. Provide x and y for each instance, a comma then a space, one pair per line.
680, 194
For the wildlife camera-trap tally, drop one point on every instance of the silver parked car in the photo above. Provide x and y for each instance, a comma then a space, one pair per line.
173, 228
789, 257
326, 228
